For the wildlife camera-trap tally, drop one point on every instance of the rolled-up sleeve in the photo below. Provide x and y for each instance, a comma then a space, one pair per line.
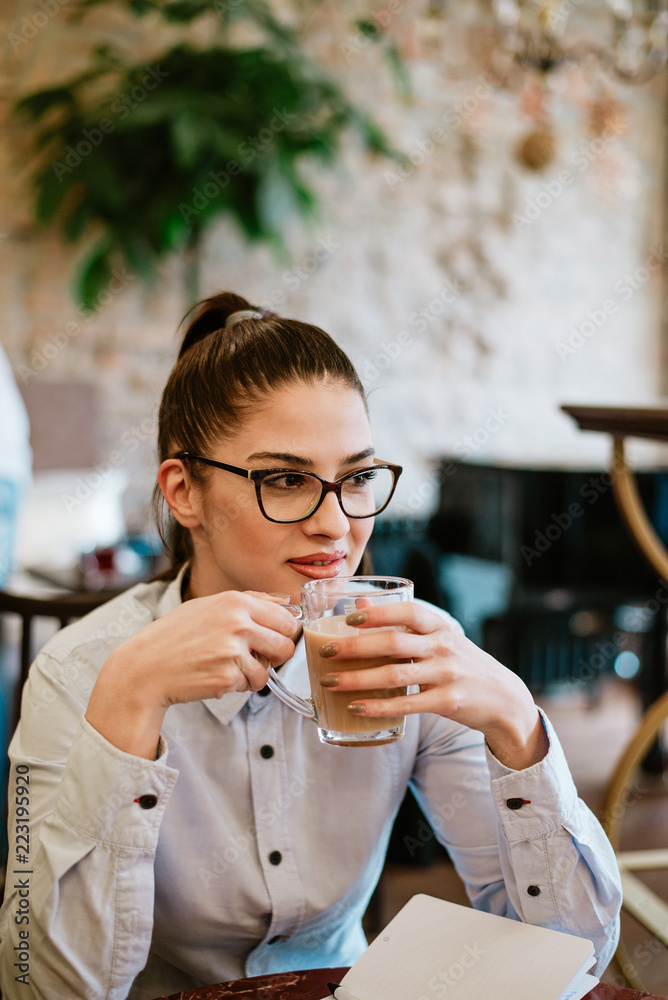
558, 864
83, 892
535, 852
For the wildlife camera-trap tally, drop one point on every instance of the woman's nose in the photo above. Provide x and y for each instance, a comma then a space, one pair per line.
328, 519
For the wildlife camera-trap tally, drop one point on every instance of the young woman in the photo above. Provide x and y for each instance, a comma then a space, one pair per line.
185, 826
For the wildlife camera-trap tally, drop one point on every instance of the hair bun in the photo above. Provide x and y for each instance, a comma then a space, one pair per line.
214, 313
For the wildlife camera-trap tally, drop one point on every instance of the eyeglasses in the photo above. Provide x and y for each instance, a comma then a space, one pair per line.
288, 495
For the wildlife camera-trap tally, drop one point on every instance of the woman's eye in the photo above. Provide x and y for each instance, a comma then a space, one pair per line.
285, 481
362, 479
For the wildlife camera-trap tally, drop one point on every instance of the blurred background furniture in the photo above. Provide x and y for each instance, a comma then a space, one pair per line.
63, 607
639, 899
561, 591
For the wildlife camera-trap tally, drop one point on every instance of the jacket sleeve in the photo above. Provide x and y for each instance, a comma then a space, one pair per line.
532, 850
84, 819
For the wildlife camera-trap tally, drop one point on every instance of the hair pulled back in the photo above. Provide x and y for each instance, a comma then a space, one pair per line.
221, 373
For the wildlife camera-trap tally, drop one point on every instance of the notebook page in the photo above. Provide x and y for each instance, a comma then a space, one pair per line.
434, 949
579, 990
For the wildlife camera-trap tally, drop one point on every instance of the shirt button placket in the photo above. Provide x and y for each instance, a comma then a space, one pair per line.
272, 803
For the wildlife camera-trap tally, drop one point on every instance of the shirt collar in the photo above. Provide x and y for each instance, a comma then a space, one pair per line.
171, 596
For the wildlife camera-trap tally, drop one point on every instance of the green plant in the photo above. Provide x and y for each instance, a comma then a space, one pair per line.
145, 156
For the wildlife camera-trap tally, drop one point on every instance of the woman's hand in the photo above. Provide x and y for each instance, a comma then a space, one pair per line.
202, 649
456, 679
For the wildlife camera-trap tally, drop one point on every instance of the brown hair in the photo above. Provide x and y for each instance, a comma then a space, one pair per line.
220, 373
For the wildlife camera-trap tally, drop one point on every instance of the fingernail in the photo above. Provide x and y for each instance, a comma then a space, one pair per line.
328, 650
356, 618
356, 709
330, 681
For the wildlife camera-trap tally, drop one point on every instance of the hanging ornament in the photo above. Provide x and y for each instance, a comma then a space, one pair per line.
538, 148
607, 116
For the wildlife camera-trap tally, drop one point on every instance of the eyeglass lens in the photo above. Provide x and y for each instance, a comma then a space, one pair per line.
287, 496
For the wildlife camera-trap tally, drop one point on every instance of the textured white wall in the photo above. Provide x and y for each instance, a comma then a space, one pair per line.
479, 374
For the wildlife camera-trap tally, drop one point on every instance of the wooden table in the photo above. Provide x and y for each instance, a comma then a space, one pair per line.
622, 422
312, 985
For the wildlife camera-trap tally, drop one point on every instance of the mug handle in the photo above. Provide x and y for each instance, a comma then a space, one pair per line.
305, 706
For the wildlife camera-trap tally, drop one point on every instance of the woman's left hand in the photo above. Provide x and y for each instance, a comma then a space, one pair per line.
457, 679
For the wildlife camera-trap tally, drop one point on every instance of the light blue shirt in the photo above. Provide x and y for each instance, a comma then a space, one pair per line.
249, 862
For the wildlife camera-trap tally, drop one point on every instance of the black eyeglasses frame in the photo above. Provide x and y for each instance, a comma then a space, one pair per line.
257, 475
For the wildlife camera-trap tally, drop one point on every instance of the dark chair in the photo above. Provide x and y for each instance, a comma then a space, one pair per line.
64, 607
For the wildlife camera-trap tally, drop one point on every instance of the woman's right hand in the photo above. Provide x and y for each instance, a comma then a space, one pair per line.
202, 649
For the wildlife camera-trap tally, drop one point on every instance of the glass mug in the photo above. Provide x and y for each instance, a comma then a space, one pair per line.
323, 609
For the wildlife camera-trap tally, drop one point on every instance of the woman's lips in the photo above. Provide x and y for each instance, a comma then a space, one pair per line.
319, 566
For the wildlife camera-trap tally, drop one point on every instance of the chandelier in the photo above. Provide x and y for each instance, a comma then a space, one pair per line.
531, 35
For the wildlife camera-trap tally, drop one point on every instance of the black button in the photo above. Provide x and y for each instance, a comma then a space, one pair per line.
514, 803
274, 939
147, 801
264, 692
275, 857
533, 890
266, 751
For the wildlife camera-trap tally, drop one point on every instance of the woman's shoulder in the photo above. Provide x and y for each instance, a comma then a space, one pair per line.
63, 674
110, 624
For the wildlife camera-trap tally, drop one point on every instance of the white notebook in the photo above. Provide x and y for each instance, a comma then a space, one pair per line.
434, 949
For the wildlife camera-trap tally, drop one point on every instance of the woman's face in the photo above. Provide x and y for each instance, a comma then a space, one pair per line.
313, 427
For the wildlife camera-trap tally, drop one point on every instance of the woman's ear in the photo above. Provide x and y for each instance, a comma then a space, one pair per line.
180, 493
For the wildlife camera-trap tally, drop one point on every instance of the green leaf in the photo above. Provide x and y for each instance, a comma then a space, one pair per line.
92, 3
143, 7
175, 232
51, 192
36, 105
94, 275
402, 78
191, 136
184, 11
77, 221
138, 257
261, 13
369, 29
107, 183
214, 106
